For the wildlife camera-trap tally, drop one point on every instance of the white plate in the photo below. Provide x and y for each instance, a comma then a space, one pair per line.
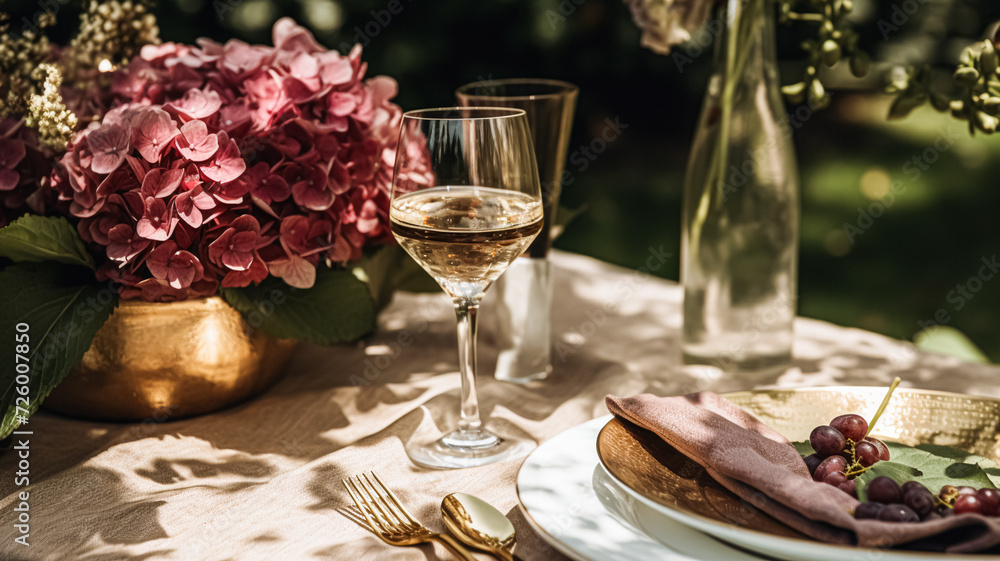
573, 504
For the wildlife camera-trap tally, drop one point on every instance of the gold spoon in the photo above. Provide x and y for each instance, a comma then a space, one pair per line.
478, 524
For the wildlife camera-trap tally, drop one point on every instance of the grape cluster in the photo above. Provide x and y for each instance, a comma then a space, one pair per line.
969, 499
889, 502
915, 503
843, 451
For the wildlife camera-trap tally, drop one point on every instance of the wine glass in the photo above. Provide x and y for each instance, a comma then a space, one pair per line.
466, 202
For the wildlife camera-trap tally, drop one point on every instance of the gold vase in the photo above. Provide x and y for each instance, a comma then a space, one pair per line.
170, 360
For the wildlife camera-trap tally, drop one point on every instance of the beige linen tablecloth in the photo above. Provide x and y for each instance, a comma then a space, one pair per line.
263, 480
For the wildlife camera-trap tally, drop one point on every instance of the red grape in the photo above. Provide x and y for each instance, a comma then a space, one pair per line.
849, 487
898, 513
966, 490
920, 500
883, 450
884, 490
867, 453
827, 441
833, 464
913, 485
868, 510
989, 501
851, 426
968, 503
835, 478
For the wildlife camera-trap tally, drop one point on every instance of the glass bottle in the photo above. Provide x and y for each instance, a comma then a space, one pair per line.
739, 247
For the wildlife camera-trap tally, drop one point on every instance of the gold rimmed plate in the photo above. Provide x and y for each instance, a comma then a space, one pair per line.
672, 485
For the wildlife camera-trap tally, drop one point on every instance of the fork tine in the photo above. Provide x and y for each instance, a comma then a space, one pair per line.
386, 525
390, 518
401, 518
363, 506
395, 500
398, 510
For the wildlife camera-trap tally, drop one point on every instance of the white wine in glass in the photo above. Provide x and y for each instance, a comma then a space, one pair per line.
465, 237
466, 202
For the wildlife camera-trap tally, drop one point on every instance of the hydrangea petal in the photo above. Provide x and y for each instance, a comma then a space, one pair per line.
227, 164
197, 104
179, 268
368, 219
256, 273
157, 222
124, 243
11, 152
296, 271
152, 131
161, 182
187, 210
196, 143
108, 144
290, 36
9, 179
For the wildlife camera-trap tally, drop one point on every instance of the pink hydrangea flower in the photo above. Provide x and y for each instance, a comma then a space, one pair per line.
225, 163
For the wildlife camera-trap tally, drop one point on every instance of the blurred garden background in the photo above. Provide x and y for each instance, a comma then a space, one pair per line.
914, 255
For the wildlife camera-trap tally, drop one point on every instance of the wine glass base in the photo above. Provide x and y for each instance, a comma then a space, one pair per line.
468, 448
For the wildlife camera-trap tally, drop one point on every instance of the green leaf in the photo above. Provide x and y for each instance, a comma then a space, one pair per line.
389, 269
988, 465
933, 466
950, 341
62, 308
43, 238
804, 448
337, 309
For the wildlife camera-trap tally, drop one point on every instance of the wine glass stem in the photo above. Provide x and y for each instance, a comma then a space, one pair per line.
467, 312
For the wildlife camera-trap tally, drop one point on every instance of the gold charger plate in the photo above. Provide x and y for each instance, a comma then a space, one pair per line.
659, 473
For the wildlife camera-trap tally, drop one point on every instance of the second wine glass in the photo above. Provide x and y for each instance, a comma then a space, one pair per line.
466, 202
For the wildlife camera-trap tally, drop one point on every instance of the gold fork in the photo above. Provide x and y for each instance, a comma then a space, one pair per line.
390, 520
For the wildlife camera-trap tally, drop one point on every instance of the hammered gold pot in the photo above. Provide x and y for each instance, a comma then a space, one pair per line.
170, 360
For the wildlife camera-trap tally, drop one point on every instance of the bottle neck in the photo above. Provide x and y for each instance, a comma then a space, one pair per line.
746, 51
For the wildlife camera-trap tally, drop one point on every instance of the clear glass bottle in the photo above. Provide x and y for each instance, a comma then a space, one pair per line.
741, 207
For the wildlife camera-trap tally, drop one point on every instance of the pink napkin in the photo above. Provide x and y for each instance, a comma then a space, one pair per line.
763, 468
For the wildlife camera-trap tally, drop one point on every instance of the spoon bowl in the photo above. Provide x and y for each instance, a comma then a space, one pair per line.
478, 524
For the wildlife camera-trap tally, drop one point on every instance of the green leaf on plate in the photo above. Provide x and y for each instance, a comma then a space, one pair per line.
936, 466
988, 465
59, 310
43, 238
932, 465
337, 309
804, 448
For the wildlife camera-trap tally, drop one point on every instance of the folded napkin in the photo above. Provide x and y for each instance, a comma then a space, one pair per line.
763, 468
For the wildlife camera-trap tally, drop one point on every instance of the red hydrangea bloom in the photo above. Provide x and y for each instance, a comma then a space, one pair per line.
24, 171
11, 153
225, 163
